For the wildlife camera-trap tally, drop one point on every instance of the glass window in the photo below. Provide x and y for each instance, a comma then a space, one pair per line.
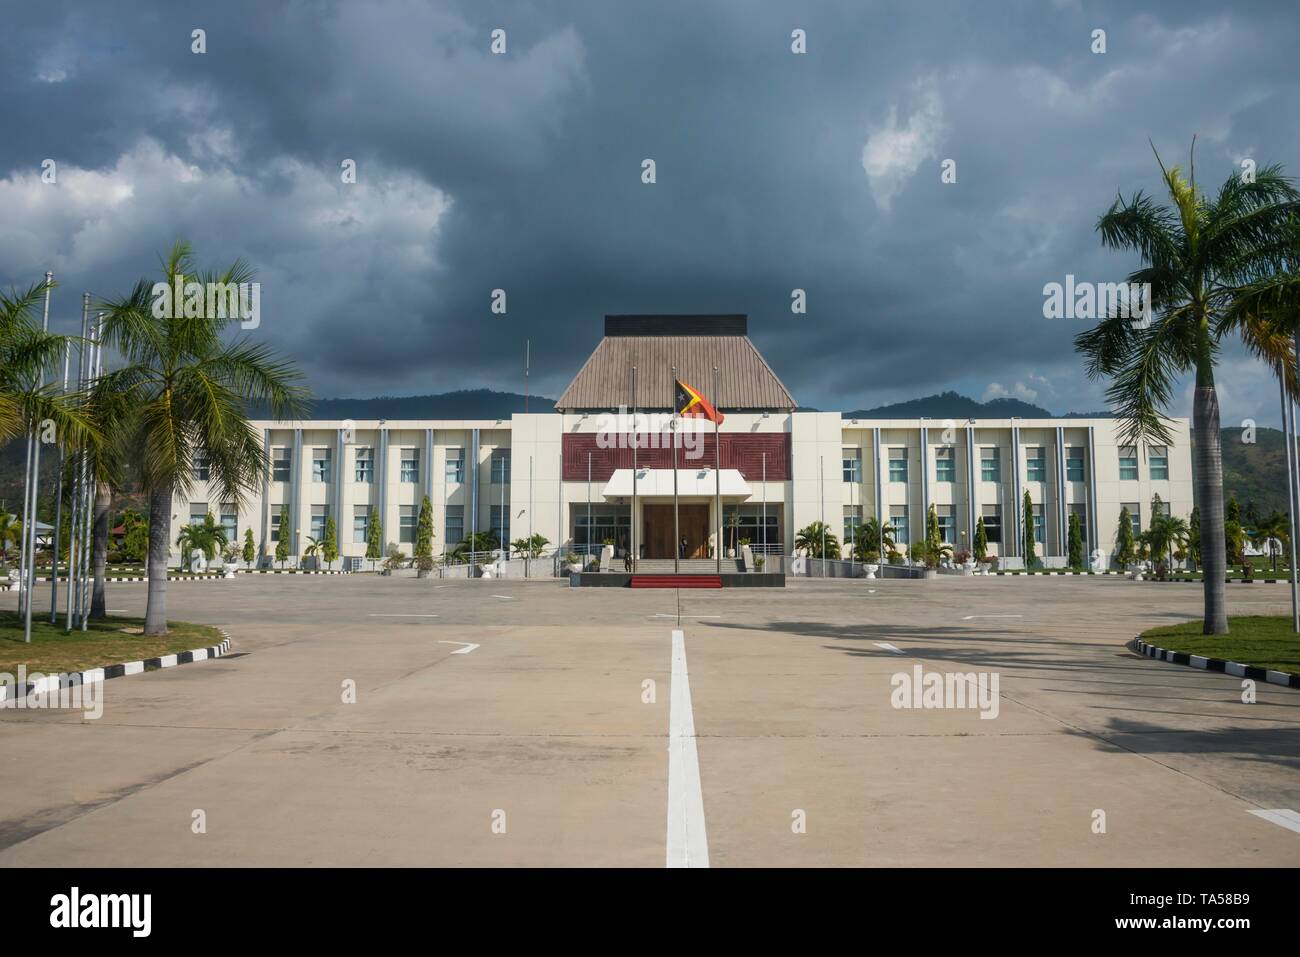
947, 528
898, 522
1082, 512
945, 465
456, 467
455, 527
1074, 465
275, 525
605, 521
410, 465
198, 513
1159, 463
320, 465
280, 462
1040, 525
407, 518
852, 463
319, 513
1036, 465
758, 524
360, 523
501, 468
1128, 464
230, 523
852, 520
500, 518
898, 465
992, 515
990, 465
201, 468
365, 471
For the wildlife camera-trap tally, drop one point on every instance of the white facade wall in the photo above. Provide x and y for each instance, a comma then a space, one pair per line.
538, 502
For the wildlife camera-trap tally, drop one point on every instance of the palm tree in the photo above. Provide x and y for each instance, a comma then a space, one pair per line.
812, 538
10, 533
868, 539
206, 536
191, 390
1275, 531
1216, 267
1163, 535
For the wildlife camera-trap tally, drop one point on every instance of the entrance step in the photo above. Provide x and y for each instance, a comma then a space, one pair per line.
688, 566
676, 581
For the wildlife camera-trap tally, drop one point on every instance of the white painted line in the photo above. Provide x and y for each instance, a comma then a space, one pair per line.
1282, 816
888, 647
688, 844
662, 615
969, 617
469, 646
506, 597
396, 615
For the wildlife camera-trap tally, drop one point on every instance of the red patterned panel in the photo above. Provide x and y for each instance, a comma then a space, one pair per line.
742, 451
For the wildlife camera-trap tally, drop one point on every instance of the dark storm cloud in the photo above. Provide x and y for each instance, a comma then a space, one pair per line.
522, 172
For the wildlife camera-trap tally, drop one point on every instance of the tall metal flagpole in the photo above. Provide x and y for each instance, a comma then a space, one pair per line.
1291, 454
636, 441
33, 487
74, 526
764, 508
677, 530
589, 505
1288, 427
717, 474
58, 500
821, 492
88, 509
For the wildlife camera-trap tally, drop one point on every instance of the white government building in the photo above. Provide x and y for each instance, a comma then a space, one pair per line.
567, 475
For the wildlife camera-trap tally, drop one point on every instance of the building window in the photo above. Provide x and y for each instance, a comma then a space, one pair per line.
1040, 525
1082, 512
230, 524
275, 525
501, 467
280, 464
500, 518
360, 524
455, 526
198, 513
406, 525
851, 460
992, 515
945, 465
852, 521
592, 527
456, 467
947, 528
898, 524
410, 465
201, 468
990, 465
758, 524
1036, 465
365, 465
1128, 464
320, 465
898, 465
1135, 516
1074, 465
1159, 463
319, 514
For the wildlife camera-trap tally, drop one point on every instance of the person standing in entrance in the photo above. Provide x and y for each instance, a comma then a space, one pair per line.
683, 550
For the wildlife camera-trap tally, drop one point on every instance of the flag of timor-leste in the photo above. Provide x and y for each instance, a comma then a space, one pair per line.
690, 402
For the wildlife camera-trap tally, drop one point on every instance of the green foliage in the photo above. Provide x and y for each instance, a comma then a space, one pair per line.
330, 544
1165, 533
374, 536
424, 530
282, 546
981, 545
1027, 525
867, 540
250, 548
530, 547
812, 538
1125, 552
1075, 542
1194, 537
135, 535
207, 537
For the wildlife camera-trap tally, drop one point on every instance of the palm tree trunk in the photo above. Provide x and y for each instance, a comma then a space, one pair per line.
1208, 479
160, 521
99, 553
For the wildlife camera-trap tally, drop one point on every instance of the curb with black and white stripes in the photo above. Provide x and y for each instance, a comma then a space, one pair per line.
1028, 574
1282, 678
204, 578
54, 682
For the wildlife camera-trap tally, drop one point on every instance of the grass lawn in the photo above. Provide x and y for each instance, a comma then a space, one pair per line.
108, 642
1264, 641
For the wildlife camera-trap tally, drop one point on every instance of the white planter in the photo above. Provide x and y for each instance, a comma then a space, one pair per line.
575, 568
871, 570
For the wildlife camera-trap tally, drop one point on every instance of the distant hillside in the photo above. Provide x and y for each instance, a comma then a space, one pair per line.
465, 404
951, 405
1255, 473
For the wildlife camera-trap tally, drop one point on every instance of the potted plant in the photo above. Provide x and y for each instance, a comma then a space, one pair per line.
423, 566
573, 563
963, 560
759, 562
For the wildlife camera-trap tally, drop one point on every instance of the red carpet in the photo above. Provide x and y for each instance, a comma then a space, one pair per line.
676, 581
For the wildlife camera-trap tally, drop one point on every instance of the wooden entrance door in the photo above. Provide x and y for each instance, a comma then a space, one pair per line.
658, 525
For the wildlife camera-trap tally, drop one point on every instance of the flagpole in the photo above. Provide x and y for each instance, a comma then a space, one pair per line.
58, 503
717, 474
1288, 423
677, 530
635, 442
34, 482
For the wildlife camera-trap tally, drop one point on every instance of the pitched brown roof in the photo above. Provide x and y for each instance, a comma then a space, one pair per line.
694, 344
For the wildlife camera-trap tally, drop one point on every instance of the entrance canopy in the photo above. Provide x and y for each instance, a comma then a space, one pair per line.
659, 482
